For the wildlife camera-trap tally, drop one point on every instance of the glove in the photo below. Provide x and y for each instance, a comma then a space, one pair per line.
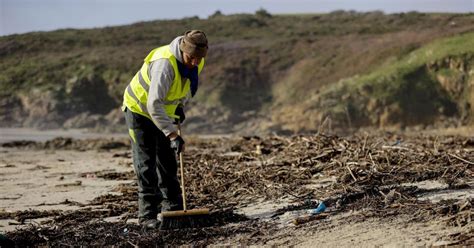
179, 112
177, 144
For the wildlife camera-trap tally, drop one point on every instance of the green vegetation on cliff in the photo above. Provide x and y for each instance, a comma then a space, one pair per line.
421, 87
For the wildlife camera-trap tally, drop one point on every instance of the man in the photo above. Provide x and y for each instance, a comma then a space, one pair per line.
153, 103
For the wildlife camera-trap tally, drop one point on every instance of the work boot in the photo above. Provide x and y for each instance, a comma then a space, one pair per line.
149, 224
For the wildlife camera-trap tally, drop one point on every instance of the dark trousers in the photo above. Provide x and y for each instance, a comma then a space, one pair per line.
155, 166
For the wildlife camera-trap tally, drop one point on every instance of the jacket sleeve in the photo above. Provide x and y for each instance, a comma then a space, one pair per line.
161, 77
185, 100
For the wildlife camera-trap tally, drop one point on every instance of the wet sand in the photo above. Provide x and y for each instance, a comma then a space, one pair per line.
12, 134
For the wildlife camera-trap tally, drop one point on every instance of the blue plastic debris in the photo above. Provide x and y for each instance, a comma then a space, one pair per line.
321, 208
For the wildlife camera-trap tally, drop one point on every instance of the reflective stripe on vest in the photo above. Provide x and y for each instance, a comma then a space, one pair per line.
136, 94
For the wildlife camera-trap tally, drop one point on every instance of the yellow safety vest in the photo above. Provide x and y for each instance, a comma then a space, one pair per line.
136, 95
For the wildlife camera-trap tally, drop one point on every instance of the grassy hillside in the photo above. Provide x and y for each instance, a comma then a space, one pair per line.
420, 88
264, 73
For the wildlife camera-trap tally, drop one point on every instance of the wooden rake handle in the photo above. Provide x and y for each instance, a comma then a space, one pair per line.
183, 190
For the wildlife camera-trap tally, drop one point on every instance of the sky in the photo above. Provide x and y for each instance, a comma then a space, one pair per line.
21, 16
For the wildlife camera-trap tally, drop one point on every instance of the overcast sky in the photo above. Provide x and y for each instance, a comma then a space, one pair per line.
20, 16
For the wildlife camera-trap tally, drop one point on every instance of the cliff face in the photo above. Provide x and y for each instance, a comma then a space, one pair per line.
423, 86
54, 108
430, 86
455, 74
270, 74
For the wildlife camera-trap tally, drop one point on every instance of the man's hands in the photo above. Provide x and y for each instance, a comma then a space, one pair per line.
177, 143
179, 112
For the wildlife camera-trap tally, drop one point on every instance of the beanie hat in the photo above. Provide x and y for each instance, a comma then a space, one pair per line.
194, 43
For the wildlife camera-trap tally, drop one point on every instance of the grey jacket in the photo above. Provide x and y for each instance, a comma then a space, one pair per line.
161, 75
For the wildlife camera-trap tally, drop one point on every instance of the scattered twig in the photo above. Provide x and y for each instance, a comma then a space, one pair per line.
454, 156
397, 148
365, 142
132, 244
371, 159
352, 174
